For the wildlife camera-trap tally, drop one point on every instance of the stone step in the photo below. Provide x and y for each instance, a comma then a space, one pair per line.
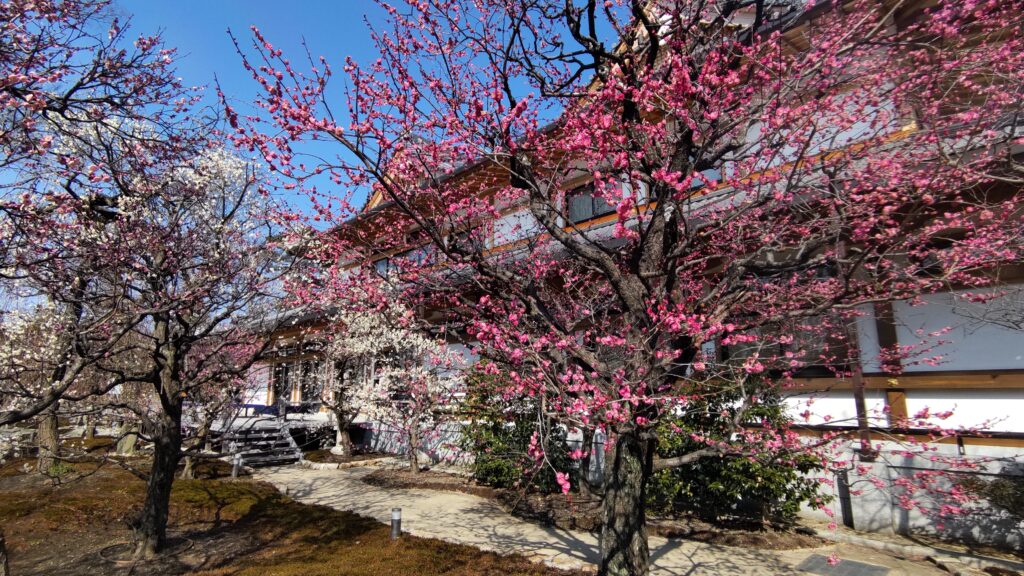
263, 446
270, 460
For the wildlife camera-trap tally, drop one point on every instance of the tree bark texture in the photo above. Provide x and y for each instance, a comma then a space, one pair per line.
128, 436
4, 569
587, 488
152, 529
342, 440
414, 446
624, 534
188, 472
48, 440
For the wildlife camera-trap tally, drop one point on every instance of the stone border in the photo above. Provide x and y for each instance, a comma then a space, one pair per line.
343, 465
946, 559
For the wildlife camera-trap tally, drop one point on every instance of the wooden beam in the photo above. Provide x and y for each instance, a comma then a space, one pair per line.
997, 439
995, 380
299, 331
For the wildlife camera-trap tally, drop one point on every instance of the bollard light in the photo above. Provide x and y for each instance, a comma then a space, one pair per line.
236, 465
396, 523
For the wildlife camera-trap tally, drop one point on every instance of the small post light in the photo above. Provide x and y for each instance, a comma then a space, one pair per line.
396, 523
236, 464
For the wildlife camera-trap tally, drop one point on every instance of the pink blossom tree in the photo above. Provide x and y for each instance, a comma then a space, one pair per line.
608, 196
148, 238
69, 70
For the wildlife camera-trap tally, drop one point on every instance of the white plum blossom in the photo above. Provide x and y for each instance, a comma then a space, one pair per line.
396, 377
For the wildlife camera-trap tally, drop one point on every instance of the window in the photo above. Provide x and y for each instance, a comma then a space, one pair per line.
422, 256
312, 383
283, 376
811, 346
383, 267
930, 261
284, 350
469, 240
637, 189
583, 205
312, 346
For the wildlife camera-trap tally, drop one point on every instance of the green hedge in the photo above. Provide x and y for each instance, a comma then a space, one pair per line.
765, 487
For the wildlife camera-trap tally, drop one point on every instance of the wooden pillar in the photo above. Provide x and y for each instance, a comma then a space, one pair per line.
867, 453
856, 363
270, 385
896, 401
888, 343
888, 340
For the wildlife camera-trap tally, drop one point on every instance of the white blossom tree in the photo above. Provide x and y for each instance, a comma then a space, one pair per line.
377, 364
30, 340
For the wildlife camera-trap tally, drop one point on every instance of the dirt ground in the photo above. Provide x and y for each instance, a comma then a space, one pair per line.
580, 512
218, 527
403, 478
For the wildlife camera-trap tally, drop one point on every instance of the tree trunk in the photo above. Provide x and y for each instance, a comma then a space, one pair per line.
152, 530
90, 429
624, 534
205, 432
342, 439
48, 440
128, 437
587, 445
4, 569
188, 473
414, 446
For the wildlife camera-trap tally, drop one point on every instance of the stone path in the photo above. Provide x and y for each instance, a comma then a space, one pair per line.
467, 519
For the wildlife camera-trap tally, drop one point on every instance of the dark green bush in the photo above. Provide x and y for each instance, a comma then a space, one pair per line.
499, 433
765, 488
1005, 493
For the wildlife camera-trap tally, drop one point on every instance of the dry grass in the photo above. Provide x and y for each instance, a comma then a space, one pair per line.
239, 528
318, 541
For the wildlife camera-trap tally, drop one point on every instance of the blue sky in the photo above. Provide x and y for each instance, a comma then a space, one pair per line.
198, 29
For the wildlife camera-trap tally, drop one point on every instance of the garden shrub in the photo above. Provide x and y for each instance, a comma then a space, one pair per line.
498, 435
1005, 493
755, 489
60, 469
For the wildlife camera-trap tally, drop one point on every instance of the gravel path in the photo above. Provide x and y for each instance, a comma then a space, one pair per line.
467, 519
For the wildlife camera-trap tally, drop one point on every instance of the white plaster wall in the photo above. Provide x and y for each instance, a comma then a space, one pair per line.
875, 507
994, 410
835, 408
440, 447
514, 226
464, 353
464, 359
257, 382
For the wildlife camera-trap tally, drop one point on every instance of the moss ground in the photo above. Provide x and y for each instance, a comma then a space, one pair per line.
237, 527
